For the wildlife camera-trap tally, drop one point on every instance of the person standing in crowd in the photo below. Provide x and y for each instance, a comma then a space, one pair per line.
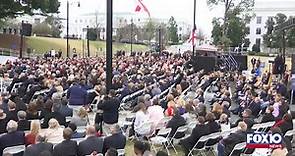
110, 107
39, 148
68, 144
77, 95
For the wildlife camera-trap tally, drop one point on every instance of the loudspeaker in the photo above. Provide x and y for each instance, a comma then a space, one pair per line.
26, 29
242, 61
208, 63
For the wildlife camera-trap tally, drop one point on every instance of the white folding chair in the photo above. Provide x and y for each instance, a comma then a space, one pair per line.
14, 149
263, 126
180, 130
146, 129
81, 129
68, 119
162, 138
15, 87
213, 140
200, 146
121, 152
78, 140
290, 133
238, 147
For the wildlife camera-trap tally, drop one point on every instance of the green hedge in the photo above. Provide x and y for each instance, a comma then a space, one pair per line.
258, 54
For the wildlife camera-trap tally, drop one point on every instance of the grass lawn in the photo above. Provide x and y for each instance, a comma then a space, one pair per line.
42, 44
129, 150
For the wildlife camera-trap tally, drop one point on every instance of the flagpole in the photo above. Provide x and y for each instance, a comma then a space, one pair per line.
194, 27
109, 45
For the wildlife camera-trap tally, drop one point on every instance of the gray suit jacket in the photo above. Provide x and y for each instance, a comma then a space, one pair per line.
89, 145
37, 149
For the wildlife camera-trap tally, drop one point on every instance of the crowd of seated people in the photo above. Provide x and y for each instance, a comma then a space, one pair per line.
40, 122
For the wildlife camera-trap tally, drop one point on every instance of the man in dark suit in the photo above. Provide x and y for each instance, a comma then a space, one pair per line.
117, 140
92, 144
12, 138
39, 148
12, 112
68, 144
110, 106
77, 95
54, 114
225, 146
23, 124
176, 121
200, 130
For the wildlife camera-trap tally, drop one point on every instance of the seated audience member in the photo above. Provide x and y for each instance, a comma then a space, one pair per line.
141, 116
217, 110
12, 137
91, 143
56, 115
255, 106
285, 124
247, 118
141, 148
23, 123
276, 105
67, 147
54, 132
176, 121
64, 109
75, 133
170, 105
32, 112
201, 110
3, 121
40, 148
226, 145
46, 108
212, 124
81, 119
200, 130
117, 140
268, 116
224, 122
35, 129
111, 152
283, 151
161, 153
156, 112
12, 112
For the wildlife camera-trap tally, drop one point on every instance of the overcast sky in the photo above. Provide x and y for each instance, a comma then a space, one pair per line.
181, 9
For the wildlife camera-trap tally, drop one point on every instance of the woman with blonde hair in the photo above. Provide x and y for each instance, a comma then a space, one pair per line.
217, 110
34, 131
54, 133
170, 105
81, 118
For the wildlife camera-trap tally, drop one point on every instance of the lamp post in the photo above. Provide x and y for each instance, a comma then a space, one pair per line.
68, 14
131, 38
87, 37
194, 29
109, 44
160, 39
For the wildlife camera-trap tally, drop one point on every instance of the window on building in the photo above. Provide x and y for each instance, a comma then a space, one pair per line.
76, 21
258, 31
81, 20
180, 28
258, 41
259, 19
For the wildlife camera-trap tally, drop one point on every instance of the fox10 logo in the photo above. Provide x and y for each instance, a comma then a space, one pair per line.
263, 140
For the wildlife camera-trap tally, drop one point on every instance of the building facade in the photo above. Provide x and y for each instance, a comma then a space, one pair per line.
265, 9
